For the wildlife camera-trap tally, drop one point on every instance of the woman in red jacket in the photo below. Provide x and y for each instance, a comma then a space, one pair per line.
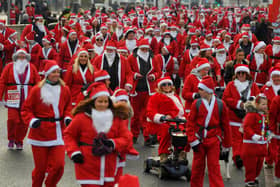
254, 147
46, 111
235, 96
95, 145
79, 74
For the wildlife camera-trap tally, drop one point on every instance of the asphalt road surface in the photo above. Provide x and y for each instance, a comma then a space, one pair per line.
16, 167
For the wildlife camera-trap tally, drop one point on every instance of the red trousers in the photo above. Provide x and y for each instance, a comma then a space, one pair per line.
161, 130
272, 151
237, 140
277, 161
210, 150
138, 121
48, 160
16, 128
253, 167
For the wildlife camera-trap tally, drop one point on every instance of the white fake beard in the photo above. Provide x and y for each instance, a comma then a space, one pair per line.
41, 27
110, 57
102, 120
275, 49
227, 45
130, 44
63, 39
158, 38
50, 94
221, 59
202, 20
149, 38
20, 66
275, 88
159, 16
166, 41
230, 18
237, 19
119, 32
98, 49
144, 56
208, 42
173, 34
259, 59
194, 52
241, 85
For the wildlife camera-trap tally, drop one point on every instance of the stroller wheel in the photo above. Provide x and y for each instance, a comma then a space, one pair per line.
188, 175
147, 165
162, 173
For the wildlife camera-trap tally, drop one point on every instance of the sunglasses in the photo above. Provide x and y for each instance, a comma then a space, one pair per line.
241, 73
99, 40
166, 84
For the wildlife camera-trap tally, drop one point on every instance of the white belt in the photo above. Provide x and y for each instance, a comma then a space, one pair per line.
259, 84
187, 110
255, 142
276, 137
235, 124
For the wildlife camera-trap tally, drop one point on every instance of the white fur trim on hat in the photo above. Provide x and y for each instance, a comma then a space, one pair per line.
205, 49
122, 50
242, 69
260, 45
71, 33
14, 56
164, 81
111, 47
51, 70
205, 88
102, 78
44, 39
275, 72
206, 65
102, 93
144, 46
149, 29
219, 50
194, 43
122, 97
82, 52
13, 34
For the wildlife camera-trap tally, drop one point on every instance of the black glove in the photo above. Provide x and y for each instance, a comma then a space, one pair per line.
162, 118
67, 122
196, 96
99, 148
251, 98
109, 143
36, 124
243, 99
78, 158
196, 148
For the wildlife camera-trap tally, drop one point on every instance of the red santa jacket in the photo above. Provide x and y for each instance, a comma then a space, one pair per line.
269, 92
12, 16
49, 133
136, 23
34, 50
28, 29
133, 61
95, 169
274, 117
10, 84
49, 54
254, 124
167, 67
232, 98
216, 124
259, 74
7, 32
272, 55
185, 68
174, 47
204, 25
125, 76
75, 81
229, 26
66, 54
154, 45
10, 47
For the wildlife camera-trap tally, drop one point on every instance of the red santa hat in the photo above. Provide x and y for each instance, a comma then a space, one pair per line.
202, 63
128, 180
191, 31
120, 94
2, 22
162, 80
241, 68
228, 35
72, 23
21, 50
89, 47
274, 71
259, 45
73, 15
30, 36
88, 28
82, 51
167, 48
246, 26
50, 66
245, 35
173, 27
111, 45
207, 84
208, 33
98, 35
122, 48
128, 30
144, 43
47, 38
194, 41
38, 17
66, 28
101, 75
13, 32
97, 89
71, 32
103, 26
220, 48
141, 12
276, 39
149, 28
205, 47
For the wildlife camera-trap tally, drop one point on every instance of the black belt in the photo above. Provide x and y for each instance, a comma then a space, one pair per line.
84, 144
275, 57
15, 84
50, 119
257, 71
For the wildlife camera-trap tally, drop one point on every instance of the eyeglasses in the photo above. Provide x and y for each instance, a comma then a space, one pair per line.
99, 40
166, 84
241, 73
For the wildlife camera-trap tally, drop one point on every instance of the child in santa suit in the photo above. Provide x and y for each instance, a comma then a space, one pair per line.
254, 147
79, 74
235, 96
46, 112
16, 82
157, 112
208, 124
94, 146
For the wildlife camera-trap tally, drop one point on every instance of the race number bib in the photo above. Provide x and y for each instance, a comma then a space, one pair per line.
13, 98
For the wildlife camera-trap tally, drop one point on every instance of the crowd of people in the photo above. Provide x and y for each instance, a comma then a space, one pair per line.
79, 86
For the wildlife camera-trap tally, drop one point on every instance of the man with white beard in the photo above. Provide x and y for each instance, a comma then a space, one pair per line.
202, 22
130, 39
228, 43
40, 29
152, 40
273, 51
189, 54
16, 82
222, 57
141, 20
208, 38
229, 23
118, 34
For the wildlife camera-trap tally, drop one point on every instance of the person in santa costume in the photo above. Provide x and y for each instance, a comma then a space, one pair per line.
166, 61
245, 44
67, 50
190, 89
116, 66
168, 40
99, 44
255, 139
188, 56
228, 43
259, 64
229, 23
122, 50
208, 39
46, 112
146, 71
202, 22
5, 30
95, 145
246, 28
33, 48
79, 74
38, 27
46, 53
16, 82
208, 130
130, 39
11, 45
157, 112
236, 94
104, 32
273, 51
119, 33
141, 20
149, 34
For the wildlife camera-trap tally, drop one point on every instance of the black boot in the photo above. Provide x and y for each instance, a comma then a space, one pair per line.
135, 140
238, 162
148, 143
